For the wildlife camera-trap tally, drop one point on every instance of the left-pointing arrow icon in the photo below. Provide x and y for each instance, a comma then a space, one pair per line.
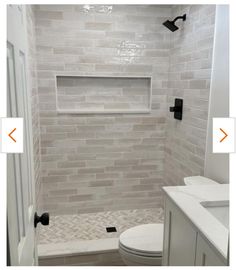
11, 134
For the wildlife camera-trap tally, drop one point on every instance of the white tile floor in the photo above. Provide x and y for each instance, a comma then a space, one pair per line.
92, 226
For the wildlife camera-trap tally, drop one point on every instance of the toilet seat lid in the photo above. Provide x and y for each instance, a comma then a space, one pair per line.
147, 238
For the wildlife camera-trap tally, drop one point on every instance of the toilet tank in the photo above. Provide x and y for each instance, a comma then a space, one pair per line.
198, 180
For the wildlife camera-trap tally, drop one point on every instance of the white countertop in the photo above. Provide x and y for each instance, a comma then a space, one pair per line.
188, 199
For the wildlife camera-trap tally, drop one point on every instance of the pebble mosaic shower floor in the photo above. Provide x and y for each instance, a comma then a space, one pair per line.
92, 226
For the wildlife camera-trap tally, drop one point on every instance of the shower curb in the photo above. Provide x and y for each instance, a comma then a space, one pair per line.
86, 252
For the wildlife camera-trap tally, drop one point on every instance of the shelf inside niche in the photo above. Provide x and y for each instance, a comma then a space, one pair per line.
101, 95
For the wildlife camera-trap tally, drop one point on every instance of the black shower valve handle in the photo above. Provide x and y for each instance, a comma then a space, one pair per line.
172, 109
175, 109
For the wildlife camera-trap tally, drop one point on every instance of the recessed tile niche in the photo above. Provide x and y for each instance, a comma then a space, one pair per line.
92, 94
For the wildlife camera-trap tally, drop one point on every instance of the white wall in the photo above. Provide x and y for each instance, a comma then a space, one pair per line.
217, 165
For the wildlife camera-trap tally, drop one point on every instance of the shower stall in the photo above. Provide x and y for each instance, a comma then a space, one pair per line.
103, 78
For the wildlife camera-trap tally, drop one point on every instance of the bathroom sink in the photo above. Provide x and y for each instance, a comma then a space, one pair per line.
219, 209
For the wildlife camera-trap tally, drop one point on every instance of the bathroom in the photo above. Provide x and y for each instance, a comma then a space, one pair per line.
118, 107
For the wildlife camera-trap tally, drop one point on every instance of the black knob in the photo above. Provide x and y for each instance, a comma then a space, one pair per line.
172, 109
44, 219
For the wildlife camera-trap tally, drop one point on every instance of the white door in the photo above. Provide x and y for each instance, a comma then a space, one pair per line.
20, 174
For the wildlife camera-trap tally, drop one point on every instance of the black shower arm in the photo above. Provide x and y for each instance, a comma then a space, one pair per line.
180, 17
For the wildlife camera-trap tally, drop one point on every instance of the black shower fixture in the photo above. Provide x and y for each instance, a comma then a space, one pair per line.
171, 24
177, 109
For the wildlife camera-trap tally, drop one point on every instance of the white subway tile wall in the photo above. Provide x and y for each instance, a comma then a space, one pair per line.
92, 163
189, 78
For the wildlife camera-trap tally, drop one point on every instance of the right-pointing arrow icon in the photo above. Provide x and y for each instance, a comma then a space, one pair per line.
225, 134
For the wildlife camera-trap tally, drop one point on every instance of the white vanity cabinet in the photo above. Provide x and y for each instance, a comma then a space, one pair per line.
179, 237
183, 243
205, 255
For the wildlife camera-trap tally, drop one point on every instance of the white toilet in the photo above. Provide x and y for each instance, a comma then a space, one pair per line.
142, 245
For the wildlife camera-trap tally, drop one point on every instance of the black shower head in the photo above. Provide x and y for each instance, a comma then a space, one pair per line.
171, 24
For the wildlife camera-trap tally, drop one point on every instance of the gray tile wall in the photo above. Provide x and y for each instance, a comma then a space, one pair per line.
93, 163
189, 78
103, 94
32, 77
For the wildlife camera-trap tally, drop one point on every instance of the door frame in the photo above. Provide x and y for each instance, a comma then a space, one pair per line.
28, 133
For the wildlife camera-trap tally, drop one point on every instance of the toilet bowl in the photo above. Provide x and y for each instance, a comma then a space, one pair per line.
143, 244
